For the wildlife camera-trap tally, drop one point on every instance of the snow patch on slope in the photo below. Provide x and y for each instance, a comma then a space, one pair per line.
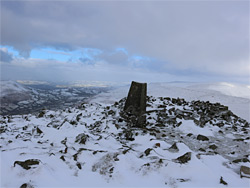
11, 87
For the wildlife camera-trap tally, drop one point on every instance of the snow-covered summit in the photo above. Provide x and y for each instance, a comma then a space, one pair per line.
236, 96
184, 143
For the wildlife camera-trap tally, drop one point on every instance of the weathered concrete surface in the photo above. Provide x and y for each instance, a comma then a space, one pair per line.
136, 100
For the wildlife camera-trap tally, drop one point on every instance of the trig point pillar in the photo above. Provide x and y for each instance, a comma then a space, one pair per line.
136, 100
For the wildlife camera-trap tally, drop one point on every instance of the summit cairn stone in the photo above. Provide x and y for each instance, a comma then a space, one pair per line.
135, 105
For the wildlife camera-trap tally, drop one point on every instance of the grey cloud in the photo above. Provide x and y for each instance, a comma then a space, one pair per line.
118, 57
211, 36
5, 56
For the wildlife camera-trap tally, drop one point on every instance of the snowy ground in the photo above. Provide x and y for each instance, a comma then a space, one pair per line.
92, 146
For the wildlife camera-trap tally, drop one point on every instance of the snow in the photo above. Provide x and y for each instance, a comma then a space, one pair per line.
108, 160
189, 127
11, 87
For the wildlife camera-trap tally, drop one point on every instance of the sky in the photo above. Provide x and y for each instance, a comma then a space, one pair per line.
121, 41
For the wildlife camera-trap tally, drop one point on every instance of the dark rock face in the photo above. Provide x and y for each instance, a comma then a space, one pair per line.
28, 163
136, 100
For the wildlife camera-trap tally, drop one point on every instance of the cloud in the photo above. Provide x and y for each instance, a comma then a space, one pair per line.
116, 57
5, 56
185, 36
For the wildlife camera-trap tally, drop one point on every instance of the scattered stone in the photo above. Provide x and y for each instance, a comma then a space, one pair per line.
183, 180
157, 145
62, 157
41, 114
184, 158
244, 171
39, 131
213, 147
202, 138
244, 160
64, 141
73, 122
222, 181
173, 148
82, 138
28, 163
203, 150
111, 112
147, 151
129, 135
78, 117
239, 139
79, 165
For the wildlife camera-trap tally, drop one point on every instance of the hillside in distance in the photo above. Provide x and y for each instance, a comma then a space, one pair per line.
193, 137
31, 97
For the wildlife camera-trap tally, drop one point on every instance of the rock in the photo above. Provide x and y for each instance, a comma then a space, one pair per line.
244, 160
202, 138
239, 139
129, 135
147, 151
82, 138
41, 114
222, 181
39, 131
111, 112
244, 171
213, 147
26, 185
28, 163
184, 158
78, 117
79, 165
173, 148
203, 150
73, 122
157, 145
220, 124
62, 157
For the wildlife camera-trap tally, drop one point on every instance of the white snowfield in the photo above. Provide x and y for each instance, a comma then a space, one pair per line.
92, 146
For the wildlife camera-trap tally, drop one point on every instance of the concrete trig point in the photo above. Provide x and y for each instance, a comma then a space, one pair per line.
136, 101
